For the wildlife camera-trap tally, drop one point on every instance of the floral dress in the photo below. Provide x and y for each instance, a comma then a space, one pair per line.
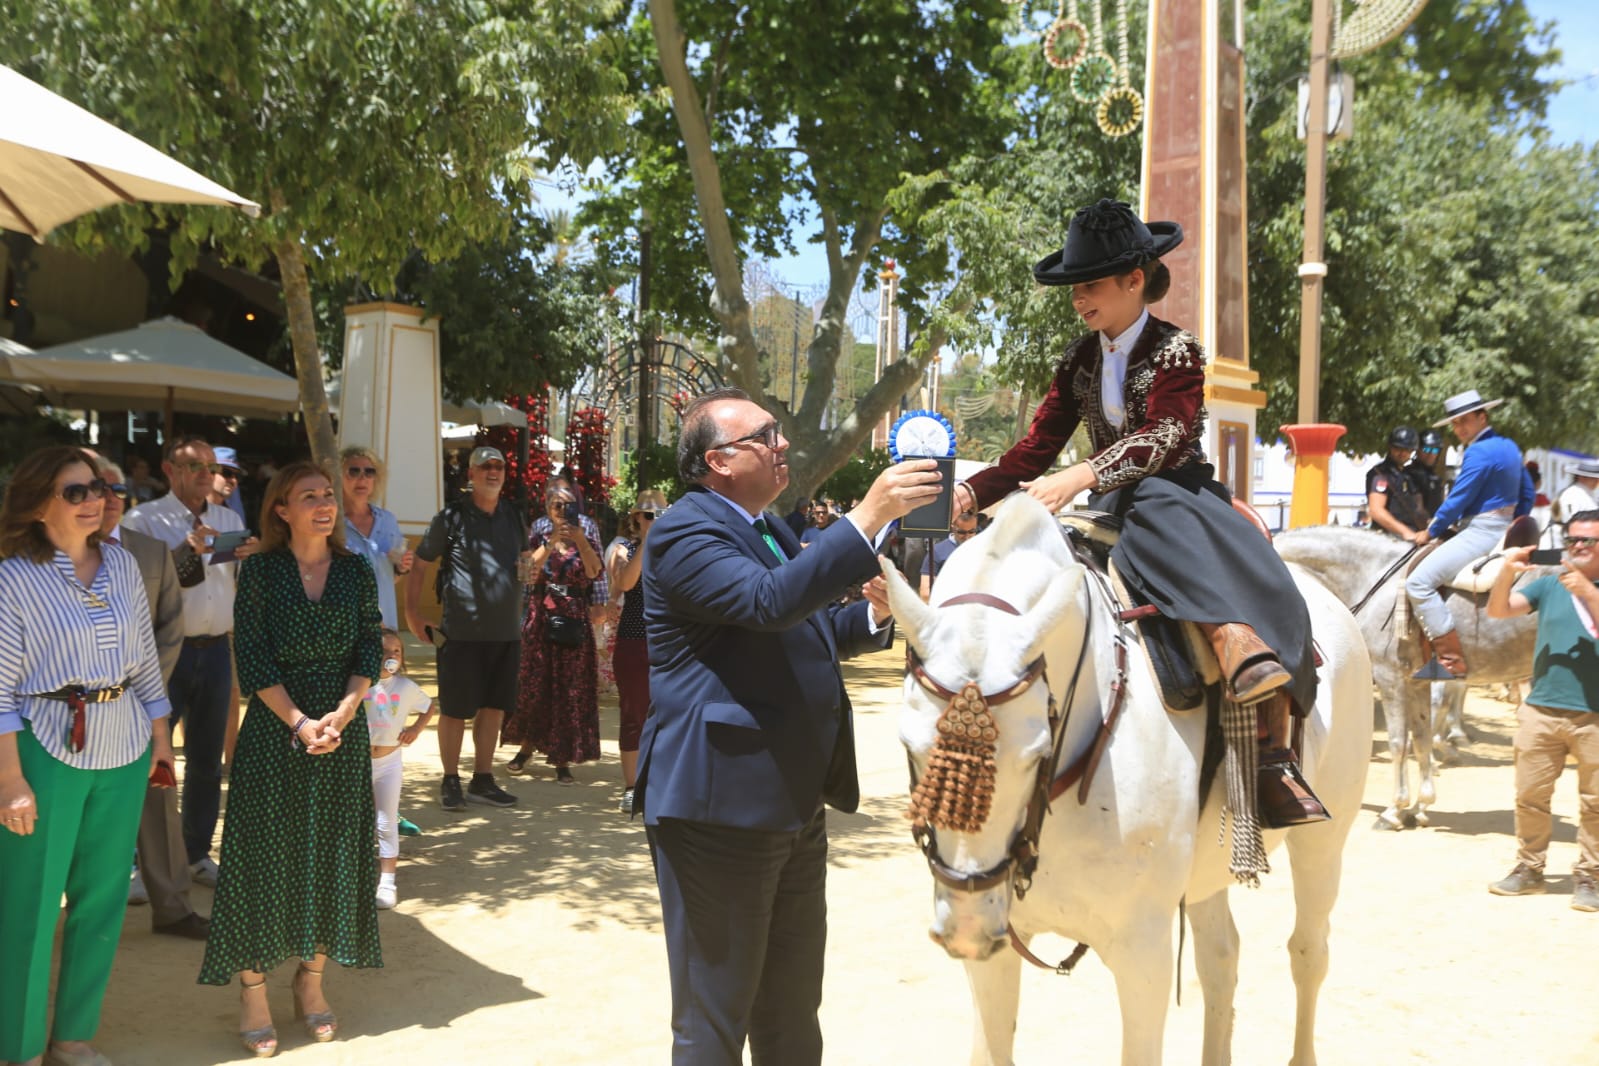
299, 871
557, 706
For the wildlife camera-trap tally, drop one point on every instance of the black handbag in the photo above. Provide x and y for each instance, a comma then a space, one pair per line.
564, 631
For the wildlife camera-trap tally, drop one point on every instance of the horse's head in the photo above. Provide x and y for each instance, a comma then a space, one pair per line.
977, 716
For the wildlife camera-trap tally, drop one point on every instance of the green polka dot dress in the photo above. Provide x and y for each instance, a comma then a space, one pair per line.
299, 863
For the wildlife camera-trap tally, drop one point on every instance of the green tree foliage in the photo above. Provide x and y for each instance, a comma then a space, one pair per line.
516, 313
1458, 237
761, 120
368, 131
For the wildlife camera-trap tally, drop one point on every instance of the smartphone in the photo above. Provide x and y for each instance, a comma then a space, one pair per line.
163, 776
572, 513
1545, 557
223, 545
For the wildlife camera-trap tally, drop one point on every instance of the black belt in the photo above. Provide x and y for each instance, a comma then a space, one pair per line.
78, 698
204, 642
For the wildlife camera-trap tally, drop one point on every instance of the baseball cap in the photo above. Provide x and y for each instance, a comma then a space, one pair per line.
227, 457
485, 454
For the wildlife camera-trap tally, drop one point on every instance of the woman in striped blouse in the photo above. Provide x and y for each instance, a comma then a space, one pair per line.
83, 726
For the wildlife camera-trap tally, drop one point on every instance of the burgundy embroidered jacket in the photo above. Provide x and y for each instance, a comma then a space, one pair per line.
1163, 395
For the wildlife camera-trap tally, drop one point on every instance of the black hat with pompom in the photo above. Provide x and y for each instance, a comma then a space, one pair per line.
1104, 240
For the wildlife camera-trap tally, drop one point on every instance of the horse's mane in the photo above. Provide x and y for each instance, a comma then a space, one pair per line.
1015, 558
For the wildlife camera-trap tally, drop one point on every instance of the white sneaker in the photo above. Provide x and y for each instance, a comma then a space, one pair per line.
204, 872
388, 896
137, 896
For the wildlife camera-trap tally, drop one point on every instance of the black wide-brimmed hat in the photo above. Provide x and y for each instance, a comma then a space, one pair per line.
1104, 240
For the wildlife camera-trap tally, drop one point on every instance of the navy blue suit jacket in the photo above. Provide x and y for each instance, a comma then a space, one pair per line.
749, 722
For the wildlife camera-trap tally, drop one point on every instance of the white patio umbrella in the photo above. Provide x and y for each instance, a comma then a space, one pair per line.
166, 364
16, 397
483, 413
58, 161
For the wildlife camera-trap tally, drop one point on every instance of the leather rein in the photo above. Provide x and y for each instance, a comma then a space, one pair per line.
1021, 859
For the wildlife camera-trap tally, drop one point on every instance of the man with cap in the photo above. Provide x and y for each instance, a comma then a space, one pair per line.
1393, 499
1424, 472
477, 540
1579, 496
1493, 490
225, 483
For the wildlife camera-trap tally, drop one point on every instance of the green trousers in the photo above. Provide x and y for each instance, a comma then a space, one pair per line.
87, 823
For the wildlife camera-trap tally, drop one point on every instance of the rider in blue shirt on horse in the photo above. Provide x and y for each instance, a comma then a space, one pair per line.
1492, 490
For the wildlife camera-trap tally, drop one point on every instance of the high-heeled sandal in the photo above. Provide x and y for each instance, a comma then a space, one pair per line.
320, 1025
262, 1042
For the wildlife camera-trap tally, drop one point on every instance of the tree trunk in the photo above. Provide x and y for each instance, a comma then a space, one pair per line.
307, 354
737, 342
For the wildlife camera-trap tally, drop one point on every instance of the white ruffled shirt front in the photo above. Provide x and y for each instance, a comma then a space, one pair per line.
1113, 370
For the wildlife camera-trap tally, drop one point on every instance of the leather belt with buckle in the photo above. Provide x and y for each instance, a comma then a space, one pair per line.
78, 698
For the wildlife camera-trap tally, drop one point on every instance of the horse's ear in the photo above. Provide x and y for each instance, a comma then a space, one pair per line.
913, 615
1058, 599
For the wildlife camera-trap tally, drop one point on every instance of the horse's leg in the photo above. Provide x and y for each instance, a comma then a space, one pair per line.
1449, 725
1418, 701
1316, 858
996, 985
1395, 714
1216, 959
1456, 713
1141, 961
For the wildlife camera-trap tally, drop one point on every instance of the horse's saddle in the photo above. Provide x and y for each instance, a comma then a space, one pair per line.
1478, 576
1181, 658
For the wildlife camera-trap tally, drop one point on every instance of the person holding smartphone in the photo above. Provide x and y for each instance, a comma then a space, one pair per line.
83, 727
557, 706
1560, 717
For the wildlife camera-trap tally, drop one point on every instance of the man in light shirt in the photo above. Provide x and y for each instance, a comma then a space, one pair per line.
186, 522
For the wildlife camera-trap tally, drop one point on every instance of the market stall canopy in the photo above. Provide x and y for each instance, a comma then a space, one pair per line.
16, 397
483, 413
166, 364
58, 161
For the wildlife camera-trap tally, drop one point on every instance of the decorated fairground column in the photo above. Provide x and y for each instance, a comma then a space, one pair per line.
1194, 142
390, 401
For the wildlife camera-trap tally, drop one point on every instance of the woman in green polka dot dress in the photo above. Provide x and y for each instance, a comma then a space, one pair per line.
299, 872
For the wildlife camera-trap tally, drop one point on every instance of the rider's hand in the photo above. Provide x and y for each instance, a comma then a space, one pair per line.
1421, 538
1060, 488
964, 501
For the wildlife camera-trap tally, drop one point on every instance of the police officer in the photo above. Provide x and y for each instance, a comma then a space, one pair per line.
1426, 471
1394, 500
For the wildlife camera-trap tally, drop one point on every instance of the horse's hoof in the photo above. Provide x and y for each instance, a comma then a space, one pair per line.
1382, 824
1421, 818
1415, 818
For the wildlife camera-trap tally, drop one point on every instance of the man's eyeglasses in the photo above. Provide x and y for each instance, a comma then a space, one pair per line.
767, 435
76, 494
229, 472
492, 464
361, 471
194, 466
121, 492
1571, 542
1429, 451
648, 516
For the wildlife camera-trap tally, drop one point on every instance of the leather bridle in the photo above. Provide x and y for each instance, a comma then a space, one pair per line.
1021, 858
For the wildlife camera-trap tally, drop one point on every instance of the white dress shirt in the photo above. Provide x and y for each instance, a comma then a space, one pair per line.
1114, 370
208, 606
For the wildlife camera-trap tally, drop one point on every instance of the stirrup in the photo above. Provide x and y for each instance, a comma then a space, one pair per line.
1433, 670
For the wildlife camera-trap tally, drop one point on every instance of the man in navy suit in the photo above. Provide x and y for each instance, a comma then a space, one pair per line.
750, 730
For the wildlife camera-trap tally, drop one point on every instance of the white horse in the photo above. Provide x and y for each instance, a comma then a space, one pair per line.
1110, 871
1349, 561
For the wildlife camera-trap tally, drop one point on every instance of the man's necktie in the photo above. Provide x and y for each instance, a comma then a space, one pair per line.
771, 542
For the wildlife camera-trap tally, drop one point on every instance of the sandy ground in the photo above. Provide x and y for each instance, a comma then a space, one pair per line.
533, 936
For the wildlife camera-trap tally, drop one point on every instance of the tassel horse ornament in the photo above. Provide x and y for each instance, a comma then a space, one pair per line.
1024, 640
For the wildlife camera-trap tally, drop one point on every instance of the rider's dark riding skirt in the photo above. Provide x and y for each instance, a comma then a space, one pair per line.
1184, 549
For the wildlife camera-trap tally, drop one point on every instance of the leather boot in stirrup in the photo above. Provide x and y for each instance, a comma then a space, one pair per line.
1251, 668
1448, 662
1282, 793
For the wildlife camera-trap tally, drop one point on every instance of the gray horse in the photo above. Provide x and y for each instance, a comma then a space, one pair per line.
1349, 561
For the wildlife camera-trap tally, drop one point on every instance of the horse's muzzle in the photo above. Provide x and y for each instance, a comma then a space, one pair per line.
972, 928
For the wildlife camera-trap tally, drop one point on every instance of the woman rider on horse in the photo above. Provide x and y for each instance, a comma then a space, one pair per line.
1139, 383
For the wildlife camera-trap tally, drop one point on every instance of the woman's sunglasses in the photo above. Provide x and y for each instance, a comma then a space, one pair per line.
76, 494
360, 471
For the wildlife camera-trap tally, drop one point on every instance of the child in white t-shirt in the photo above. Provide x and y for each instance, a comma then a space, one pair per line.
389, 705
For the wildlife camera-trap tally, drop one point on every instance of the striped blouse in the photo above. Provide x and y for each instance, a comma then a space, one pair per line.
56, 633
